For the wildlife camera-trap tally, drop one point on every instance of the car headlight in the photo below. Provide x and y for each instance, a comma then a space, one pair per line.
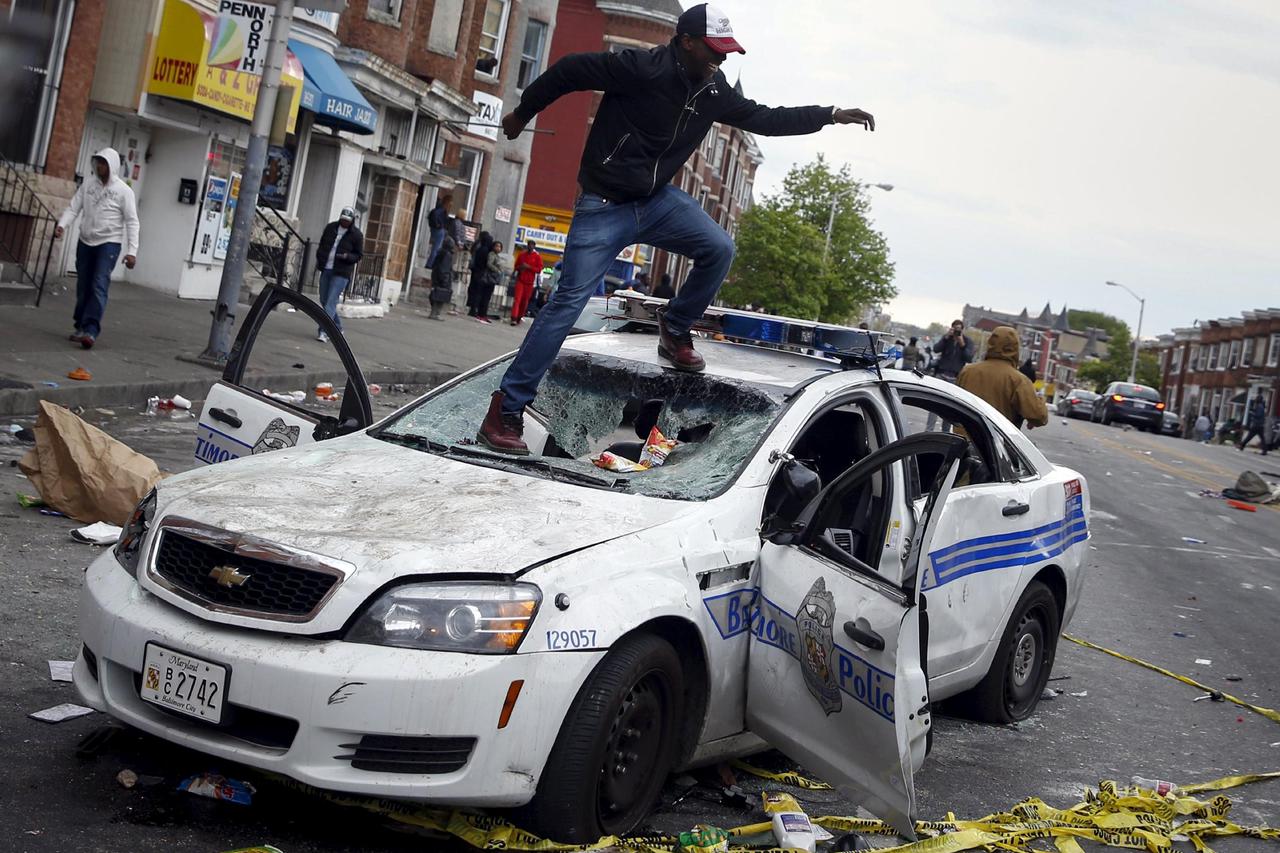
450, 616
128, 547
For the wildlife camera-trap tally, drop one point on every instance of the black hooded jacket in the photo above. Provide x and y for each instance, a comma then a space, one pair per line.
652, 116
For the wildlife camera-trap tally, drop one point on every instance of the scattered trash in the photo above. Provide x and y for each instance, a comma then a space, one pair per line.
323, 389
80, 374
1082, 694
1239, 719
1060, 678
59, 713
108, 412
375, 389
49, 384
1049, 694
299, 366
262, 848
1108, 473
850, 841
291, 397
127, 778
732, 795
1212, 695
218, 788
1146, 453
398, 389
81, 471
1191, 540
1234, 677
1245, 585
29, 501
53, 512
26, 435
1274, 745
704, 839
1235, 504
1180, 634
180, 402
99, 533
1185, 607
1204, 662
791, 826
60, 670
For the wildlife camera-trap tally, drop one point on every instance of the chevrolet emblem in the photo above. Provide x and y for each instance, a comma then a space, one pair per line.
228, 576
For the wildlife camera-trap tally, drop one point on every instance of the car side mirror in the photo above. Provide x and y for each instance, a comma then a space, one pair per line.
799, 485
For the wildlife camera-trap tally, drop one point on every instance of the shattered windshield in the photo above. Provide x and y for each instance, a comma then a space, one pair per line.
589, 404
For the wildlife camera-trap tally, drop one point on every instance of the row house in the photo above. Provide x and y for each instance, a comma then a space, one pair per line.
383, 107
719, 175
1218, 367
1057, 351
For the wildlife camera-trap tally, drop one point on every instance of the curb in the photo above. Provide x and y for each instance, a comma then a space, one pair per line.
25, 402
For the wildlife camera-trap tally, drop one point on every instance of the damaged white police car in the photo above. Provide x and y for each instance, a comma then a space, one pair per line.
396, 611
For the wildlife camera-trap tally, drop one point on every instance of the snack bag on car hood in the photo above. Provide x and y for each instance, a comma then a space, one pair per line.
656, 449
613, 462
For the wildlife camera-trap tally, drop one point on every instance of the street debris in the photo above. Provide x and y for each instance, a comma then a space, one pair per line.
291, 397
1212, 695
1182, 634
1049, 694
60, 713
792, 828
60, 670
29, 501
1234, 677
1251, 488
375, 389
1082, 694
1191, 540
1235, 504
80, 374
1159, 786
53, 512
1204, 662
127, 778
297, 365
262, 848
217, 787
108, 412
323, 389
98, 533
81, 471
704, 839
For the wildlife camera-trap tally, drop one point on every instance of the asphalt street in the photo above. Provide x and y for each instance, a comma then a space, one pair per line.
1150, 594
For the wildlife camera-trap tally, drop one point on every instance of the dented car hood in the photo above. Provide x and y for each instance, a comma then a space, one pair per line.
390, 510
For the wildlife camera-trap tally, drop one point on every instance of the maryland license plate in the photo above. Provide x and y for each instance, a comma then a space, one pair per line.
184, 683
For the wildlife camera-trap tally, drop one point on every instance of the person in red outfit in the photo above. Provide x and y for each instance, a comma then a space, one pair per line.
528, 268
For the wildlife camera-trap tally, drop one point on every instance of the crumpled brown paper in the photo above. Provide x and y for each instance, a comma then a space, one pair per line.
81, 471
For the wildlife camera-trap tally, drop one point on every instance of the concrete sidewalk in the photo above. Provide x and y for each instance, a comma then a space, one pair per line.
146, 335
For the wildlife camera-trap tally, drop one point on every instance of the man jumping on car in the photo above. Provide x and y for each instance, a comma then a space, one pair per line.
657, 108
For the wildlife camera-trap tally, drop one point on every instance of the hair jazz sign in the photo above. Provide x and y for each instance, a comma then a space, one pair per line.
240, 36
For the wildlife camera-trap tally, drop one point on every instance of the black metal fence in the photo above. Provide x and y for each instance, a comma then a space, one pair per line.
27, 229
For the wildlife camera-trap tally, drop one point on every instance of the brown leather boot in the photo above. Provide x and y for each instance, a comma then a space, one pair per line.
678, 349
502, 432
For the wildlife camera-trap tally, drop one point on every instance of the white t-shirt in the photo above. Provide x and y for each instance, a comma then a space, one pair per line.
333, 250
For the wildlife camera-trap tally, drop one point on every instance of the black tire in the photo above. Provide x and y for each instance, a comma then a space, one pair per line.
626, 716
1106, 417
1021, 667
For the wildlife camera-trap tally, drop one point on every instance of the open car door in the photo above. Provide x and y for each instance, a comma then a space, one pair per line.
239, 420
835, 675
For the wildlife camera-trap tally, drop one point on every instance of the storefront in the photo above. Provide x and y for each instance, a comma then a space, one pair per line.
549, 228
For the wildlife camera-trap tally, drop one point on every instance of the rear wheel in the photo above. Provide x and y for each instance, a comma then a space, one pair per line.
1020, 670
615, 747
1106, 417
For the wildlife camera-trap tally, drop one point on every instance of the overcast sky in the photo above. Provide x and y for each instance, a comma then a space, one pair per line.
1041, 148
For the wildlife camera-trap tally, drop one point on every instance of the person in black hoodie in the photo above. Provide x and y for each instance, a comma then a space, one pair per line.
658, 106
341, 247
479, 267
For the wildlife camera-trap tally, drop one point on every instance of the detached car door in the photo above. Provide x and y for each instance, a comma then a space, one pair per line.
834, 667
239, 420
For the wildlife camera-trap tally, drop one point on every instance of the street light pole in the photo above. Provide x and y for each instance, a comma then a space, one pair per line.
250, 182
1142, 306
831, 217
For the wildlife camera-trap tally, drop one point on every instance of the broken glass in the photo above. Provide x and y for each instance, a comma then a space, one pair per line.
590, 403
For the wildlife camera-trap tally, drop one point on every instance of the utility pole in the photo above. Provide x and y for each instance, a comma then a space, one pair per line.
251, 180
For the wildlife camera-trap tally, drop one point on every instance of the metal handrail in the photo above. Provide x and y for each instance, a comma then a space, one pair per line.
27, 228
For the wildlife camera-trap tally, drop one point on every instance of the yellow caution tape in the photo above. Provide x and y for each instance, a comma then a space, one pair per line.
1121, 817
1270, 713
788, 778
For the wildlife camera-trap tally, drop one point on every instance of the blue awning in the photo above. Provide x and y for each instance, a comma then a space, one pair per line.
330, 94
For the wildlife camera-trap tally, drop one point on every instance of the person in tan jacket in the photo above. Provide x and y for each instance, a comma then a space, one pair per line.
997, 380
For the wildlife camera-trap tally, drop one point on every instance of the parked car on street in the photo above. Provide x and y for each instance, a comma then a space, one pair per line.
1078, 403
390, 609
1172, 424
1126, 403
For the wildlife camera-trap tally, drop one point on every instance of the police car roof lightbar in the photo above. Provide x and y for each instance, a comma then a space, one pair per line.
853, 348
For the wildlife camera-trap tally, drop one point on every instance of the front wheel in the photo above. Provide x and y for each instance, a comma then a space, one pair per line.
615, 747
1011, 688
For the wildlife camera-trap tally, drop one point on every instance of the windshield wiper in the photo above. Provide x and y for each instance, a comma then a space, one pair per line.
499, 460
527, 463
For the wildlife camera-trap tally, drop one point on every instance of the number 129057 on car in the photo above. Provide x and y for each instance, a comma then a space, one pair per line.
580, 639
184, 684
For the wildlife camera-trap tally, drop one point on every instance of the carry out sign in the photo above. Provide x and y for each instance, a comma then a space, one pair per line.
240, 34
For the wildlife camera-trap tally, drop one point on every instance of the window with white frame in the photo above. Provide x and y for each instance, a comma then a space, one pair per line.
1223, 348
717, 159
531, 52
1233, 357
464, 186
1202, 359
1273, 352
1175, 359
492, 35
384, 9
1246, 352
1214, 349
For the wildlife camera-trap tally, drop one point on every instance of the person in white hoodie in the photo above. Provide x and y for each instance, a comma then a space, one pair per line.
108, 223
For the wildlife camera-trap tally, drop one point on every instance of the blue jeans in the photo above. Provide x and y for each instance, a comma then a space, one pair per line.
331, 287
437, 240
601, 229
93, 277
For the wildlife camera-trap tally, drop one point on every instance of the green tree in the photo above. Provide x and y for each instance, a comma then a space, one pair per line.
1115, 367
1082, 320
789, 228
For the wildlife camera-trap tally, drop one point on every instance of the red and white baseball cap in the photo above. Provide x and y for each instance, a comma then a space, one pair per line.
710, 24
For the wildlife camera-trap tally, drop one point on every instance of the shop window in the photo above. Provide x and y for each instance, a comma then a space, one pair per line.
226, 157
535, 43
464, 187
492, 36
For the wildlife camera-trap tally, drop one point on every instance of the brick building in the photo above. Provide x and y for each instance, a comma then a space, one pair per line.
1218, 367
1057, 350
720, 175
